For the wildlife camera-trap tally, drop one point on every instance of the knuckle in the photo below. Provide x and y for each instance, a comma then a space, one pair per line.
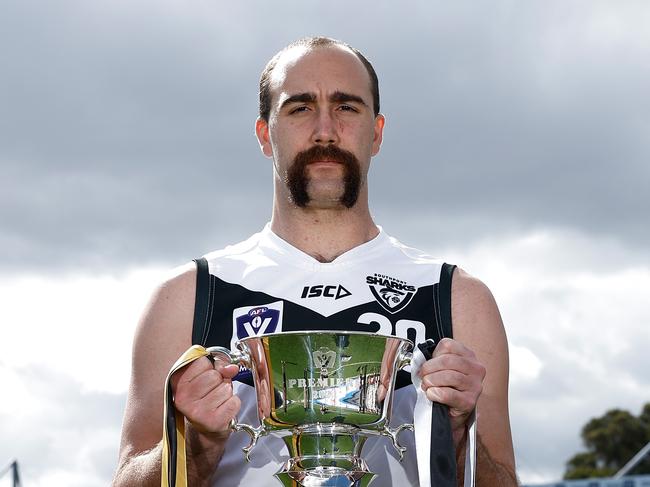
197, 367
214, 376
180, 396
446, 361
236, 403
482, 371
470, 403
231, 406
225, 389
427, 367
193, 412
444, 345
444, 394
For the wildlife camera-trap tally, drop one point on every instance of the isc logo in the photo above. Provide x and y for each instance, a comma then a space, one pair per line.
335, 292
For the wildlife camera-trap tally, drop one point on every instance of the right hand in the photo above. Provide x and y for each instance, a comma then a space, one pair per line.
203, 394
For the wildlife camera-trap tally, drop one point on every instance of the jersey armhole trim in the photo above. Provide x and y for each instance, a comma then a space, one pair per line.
446, 276
200, 325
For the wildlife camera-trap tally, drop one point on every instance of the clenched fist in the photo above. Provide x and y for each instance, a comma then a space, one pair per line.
203, 394
453, 376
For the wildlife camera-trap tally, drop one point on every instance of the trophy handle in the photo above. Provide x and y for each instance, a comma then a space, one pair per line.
240, 358
404, 359
254, 433
392, 433
232, 356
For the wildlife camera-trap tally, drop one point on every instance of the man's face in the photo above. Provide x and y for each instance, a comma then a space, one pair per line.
322, 130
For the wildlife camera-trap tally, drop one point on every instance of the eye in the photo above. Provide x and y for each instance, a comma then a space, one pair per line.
298, 109
347, 108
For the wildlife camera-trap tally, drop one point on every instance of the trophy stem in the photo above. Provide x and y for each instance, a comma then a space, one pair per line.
325, 455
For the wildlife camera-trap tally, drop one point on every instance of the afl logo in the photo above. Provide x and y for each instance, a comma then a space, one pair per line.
258, 311
256, 320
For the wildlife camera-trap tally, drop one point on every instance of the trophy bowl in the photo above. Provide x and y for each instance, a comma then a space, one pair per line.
324, 393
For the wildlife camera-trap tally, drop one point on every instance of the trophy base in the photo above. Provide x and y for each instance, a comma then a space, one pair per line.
289, 476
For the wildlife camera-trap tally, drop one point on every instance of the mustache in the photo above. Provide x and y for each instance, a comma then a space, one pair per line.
325, 153
298, 181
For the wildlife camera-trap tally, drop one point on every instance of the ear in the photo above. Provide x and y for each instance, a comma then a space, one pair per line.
380, 120
263, 136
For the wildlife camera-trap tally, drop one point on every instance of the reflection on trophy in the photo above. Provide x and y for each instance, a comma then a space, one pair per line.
324, 393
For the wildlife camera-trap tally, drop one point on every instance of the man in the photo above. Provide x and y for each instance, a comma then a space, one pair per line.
320, 124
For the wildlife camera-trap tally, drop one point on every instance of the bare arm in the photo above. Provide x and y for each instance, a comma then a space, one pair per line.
489, 473
163, 334
471, 371
478, 325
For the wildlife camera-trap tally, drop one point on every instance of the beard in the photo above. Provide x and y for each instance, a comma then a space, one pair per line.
298, 180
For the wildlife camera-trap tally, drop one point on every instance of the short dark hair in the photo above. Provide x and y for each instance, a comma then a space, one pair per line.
312, 42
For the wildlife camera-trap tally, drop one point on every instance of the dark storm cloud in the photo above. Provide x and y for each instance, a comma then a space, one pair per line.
127, 129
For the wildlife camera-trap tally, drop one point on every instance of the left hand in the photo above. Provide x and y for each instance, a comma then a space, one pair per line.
454, 377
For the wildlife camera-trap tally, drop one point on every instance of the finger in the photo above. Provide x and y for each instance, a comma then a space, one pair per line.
217, 396
228, 410
228, 371
216, 420
459, 363
219, 419
461, 402
448, 378
189, 372
202, 410
451, 346
203, 384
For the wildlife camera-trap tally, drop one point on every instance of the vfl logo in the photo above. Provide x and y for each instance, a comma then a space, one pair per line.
324, 359
256, 320
335, 292
391, 293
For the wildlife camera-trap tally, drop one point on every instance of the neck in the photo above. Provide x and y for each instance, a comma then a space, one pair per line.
324, 233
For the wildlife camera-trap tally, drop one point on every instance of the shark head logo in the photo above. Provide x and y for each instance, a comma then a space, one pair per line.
390, 296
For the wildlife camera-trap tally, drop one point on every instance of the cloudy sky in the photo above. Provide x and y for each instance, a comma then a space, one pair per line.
517, 145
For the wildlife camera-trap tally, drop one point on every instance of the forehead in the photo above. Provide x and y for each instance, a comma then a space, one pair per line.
320, 70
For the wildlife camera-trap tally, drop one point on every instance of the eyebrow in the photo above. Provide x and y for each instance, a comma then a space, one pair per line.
342, 97
336, 97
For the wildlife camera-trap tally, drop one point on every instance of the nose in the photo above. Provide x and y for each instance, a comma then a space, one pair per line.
325, 131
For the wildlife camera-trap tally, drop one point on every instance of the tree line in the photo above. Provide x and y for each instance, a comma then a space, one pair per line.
611, 441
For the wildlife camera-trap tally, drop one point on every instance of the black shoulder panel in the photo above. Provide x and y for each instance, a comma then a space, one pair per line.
203, 303
442, 303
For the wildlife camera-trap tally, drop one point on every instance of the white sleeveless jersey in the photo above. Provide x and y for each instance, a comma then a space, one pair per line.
265, 285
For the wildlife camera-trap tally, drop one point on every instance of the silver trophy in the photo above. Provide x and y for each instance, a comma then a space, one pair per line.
324, 393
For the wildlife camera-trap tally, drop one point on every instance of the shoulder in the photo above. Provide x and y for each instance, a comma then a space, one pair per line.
175, 289
166, 322
179, 281
470, 295
475, 314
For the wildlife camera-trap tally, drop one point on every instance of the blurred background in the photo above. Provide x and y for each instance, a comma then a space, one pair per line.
517, 146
